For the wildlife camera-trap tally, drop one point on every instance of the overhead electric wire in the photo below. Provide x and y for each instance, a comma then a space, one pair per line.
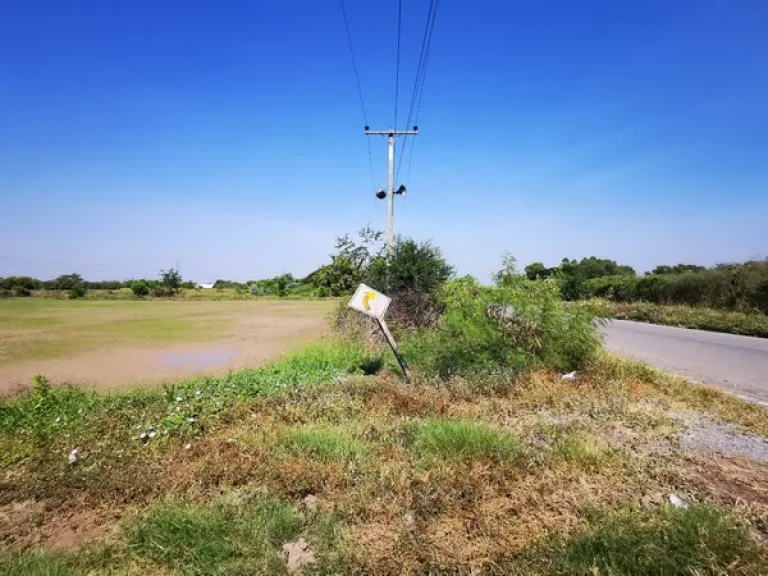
359, 89
418, 84
397, 65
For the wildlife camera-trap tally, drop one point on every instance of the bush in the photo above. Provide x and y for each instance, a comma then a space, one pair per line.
140, 288
521, 325
77, 291
22, 291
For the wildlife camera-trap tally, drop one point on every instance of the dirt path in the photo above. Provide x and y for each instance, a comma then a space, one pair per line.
253, 340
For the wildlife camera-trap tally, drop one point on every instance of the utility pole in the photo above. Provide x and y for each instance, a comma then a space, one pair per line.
390, 193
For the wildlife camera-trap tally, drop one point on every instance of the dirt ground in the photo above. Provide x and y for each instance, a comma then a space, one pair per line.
253, 333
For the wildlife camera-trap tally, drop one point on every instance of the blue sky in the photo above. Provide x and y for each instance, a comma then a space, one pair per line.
227, 136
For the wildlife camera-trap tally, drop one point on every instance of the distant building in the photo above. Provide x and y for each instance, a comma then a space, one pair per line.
206, 286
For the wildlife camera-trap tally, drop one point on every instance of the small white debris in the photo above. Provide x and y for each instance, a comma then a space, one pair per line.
165, 432
72, 458
144, 436
191, 419
138, 426
310, 501
296, 555
179, 399
677, 502
58, 419
152, 434
198, 392
569, 376
187, 446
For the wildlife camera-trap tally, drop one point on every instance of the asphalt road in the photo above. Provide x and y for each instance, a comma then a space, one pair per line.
738, 364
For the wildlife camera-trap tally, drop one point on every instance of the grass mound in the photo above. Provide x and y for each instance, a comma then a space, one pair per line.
218, 539
666, 542
325, 443
441, 439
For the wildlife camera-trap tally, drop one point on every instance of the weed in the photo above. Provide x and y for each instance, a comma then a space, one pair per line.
217, 539
326, 443
462, 439
240, 534
581, 448
665, 541
15, 564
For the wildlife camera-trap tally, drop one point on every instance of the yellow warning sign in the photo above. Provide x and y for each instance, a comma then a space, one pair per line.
370, 302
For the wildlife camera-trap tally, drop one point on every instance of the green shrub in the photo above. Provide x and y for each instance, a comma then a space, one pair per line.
521, 325
140, 288
463, 440
77, 291
22, 292
664, 542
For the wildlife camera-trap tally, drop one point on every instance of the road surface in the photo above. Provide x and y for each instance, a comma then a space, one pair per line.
738, 364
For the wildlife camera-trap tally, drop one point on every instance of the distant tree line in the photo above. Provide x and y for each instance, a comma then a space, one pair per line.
739, 286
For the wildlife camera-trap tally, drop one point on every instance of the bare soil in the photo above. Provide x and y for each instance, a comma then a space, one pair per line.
258, 334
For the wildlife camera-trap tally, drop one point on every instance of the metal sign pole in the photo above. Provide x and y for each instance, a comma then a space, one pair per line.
393, 346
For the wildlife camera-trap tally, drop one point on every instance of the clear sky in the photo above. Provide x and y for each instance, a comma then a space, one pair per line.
227, 136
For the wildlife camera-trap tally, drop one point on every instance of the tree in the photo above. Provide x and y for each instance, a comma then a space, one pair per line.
410, 267
508, 269
67, 281
171, 280
537, 271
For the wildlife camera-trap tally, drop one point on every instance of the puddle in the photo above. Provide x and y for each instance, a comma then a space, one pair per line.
197, 360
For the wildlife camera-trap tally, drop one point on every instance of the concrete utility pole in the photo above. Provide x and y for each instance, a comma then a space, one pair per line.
390, 194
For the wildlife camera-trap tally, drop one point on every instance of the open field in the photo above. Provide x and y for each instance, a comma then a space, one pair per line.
111, 344
361, 474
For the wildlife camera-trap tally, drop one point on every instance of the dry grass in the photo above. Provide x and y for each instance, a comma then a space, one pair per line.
433, 477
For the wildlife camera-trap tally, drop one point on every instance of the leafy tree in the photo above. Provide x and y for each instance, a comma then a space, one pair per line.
678, 269
410, 267
67, 281
508, 270
171, 280
537, 271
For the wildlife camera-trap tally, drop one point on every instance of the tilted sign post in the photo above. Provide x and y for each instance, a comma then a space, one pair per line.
375, 304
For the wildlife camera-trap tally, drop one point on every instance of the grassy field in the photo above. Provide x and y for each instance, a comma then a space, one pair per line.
78, 331
530, 474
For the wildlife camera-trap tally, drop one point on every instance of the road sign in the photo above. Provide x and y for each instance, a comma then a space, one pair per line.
370, 302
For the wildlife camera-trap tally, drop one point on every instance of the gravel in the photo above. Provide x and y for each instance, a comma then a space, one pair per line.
707, 434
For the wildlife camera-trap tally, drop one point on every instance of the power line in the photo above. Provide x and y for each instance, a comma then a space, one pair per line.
421, 71
397, 66
359, 88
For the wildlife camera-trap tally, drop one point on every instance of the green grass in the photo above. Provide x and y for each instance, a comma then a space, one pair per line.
664, 542
581, 448
326, 443
217, 539
441, 439
31, 564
